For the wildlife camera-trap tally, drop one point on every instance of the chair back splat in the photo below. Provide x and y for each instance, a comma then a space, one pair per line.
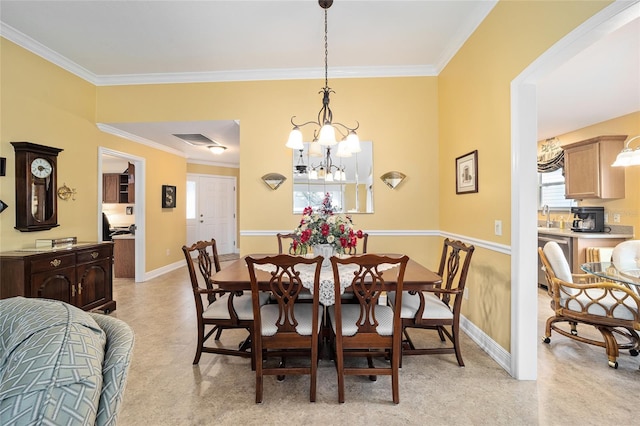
362, 327
285, 328
223, 309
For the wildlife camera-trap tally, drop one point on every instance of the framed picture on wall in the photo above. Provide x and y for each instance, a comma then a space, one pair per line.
168, 196
467, 173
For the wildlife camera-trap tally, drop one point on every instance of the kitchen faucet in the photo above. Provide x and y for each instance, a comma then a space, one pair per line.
547, 211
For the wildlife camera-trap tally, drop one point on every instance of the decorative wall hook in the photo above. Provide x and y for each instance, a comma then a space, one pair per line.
64, 192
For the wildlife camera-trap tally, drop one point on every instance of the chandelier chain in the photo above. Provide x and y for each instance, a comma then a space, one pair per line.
326, 52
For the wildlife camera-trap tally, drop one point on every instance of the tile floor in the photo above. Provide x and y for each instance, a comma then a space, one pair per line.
575, 384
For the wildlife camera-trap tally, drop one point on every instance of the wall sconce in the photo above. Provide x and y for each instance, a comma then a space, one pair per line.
64, 192
393, 179
273, 180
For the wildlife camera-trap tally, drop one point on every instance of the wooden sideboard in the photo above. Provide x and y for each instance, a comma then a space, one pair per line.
80, 275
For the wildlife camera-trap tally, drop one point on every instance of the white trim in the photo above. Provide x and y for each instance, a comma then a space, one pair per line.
134, 138
524, 330
213, 163
44, 52
494, 350
489, 245
164, 270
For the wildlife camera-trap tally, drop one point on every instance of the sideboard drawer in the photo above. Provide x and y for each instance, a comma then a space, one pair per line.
94, 254
51, 263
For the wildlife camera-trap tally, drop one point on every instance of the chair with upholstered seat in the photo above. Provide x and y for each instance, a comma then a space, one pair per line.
363, 245
220, 309
285, 328
285, 240
439, 308
627, 253
613, 309
362, 327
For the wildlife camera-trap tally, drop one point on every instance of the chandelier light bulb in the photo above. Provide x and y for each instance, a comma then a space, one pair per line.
353, 142
327, 135
315, 150
343, 149
313, 175
295, 139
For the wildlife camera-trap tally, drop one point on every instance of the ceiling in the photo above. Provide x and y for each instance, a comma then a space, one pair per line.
138, 42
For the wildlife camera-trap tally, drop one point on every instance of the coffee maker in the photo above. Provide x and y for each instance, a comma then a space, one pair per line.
588, 219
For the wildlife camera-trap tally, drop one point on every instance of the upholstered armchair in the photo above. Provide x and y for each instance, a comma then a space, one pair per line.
613, 309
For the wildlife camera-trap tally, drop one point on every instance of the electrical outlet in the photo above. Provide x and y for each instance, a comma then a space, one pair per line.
616, 218
497, 227
606, 218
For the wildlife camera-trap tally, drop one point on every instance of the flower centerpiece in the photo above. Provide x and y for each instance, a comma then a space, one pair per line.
323, 226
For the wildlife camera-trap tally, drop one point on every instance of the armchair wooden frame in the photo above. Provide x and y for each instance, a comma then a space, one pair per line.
282, 238
206, 257
613, 309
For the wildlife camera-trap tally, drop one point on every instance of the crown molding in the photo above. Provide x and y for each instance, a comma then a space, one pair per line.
213, 163
44, 52
134, 138
39, 49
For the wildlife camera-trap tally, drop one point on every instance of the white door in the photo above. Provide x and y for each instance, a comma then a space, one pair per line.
211, 211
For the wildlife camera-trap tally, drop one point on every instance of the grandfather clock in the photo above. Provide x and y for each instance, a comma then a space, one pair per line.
36, 183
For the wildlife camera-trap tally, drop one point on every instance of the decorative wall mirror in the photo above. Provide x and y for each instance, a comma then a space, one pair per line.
348, 179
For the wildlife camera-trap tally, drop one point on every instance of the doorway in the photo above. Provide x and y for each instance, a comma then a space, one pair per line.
211, 211
106, 155
524, 329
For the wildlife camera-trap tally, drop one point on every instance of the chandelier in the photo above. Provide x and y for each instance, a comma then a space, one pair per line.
324, 135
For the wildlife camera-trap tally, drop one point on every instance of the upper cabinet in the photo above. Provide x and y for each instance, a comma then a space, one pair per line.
588, 171
119, 187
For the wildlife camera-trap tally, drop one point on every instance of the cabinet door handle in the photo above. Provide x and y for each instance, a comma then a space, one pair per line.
55, 263
79, 289
94, 254
73, 291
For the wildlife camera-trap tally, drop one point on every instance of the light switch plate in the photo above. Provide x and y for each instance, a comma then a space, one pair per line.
498, 227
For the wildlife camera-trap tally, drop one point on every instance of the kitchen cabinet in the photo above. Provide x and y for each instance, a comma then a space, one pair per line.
119, 187
588, 171
80, 275
124, 256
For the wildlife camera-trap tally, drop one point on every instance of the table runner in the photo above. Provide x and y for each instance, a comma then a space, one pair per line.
326, 296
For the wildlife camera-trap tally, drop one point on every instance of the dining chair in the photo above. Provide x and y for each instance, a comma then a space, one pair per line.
220, 309
438, 308
365, 328
354, 250
613, 309
285, 328
627, 253
285, 239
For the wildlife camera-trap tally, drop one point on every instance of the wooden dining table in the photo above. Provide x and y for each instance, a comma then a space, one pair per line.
235, 276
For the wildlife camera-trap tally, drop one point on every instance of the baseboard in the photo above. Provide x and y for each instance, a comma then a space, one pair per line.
494, 350
165, 269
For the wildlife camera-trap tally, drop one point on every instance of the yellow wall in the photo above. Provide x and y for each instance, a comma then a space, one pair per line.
405, 117
629, 207
418, 126
474, 110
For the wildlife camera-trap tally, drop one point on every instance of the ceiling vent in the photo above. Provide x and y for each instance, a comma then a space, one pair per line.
195, 139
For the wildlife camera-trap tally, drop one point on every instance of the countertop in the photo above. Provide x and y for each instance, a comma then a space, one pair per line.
123, 237
569, 233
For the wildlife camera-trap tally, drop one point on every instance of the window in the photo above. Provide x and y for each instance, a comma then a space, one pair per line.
551, 191
191, 199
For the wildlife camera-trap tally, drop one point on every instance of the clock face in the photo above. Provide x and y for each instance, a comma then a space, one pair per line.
41, 168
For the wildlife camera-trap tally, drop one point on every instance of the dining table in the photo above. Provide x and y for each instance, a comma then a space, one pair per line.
235, 277
628, 274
